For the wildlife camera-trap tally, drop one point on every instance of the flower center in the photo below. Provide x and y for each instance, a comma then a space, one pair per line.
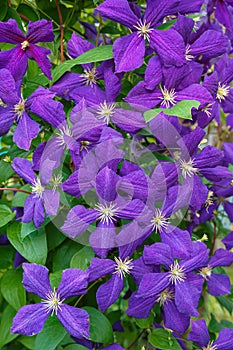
52, 302
210, 346
84, 145
209, 200
176, 274
107, 212
105, 111
168, 98
56, 181
159, 221
187, 55
223, 91
165, 296
206, 272
37, 188
24, 45
123, 267
207, 110
61, 134
19, 108
188, 168
143, 29
89, 76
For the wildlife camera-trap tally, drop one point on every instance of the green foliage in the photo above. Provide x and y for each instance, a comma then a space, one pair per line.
162, 339
12, 288
51, 335
6, 215
82, 258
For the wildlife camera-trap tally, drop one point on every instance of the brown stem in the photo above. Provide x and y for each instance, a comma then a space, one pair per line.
214, 239
62, 31
24, 17
14, 189
9, 3
135, 340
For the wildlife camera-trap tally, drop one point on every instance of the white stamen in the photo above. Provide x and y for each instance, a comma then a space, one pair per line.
37, 188
24, 45
207, 110
56, 181
84, 145
123, 267
168, 98
188, 168
223, 91
165, 296
107, 212
64, 131
210, 346
143, 29
187, 55
19, 108
106, 111
159, 221
52, 302
209, 200
206, 272
89, 77
176, 274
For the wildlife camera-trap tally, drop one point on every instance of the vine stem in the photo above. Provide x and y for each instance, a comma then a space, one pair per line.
14, 189
24, 17
135, 340
81, 296
62, 31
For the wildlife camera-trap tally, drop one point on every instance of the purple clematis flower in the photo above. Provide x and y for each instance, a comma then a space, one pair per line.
228, 241
200, 335
41, 200
129, 50
222, 11
30, 319
218, 284
16, 59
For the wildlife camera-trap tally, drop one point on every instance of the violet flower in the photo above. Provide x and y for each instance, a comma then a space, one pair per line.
16, 59
200, 335
30, 319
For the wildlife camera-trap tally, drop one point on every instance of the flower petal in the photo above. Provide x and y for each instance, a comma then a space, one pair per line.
109, 292
36, 279
40, 31
10, 32
23, 167
39, 54
73, 282
26, 130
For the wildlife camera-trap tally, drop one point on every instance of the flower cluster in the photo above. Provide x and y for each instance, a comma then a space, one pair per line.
146, 195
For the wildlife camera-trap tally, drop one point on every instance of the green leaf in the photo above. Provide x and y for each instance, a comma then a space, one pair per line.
63, 255
82, 258
6, 215
6, 170
145, 322
3, 9
20, 197
12, 288
225, 303
75, 347
27, 228
100, 327
11, 13
28, 11
97, 54
33, 248
5, 326
162, 339
51, 335
182, 110
29, 342
7, 255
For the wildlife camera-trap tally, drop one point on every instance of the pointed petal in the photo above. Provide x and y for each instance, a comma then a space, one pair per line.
153, 73
221, 257
184, 26
77, 46
224, 341
130, 121
8, 92
173, 319
75, 321
26, 130
39, 214
51, 202
73, 282
219, 284
157, 9
140, 307
36, 279
29, 320
169, 45
195, 92
229, 210
109, 292
29, 206
106, 182
153, 283
178, 240
10, 32
40, 31
103, 238
158, 254
140, 96
186, 298
199, 333
132, 210
6, 120
100, 268
23, 167
39, 54
129, 52
15, 60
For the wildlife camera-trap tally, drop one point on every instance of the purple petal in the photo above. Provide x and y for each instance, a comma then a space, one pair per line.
140, 307
221, 257
186, 298
139, 96
39, 54
73, 282
100, 268
23, 167
28, 128
223, 14
128, 52
36, 279
39, 214
228, 240
10, 32
139, 269
195, 92
169, 45
77, 46
153, 73
229, 209
112, 81
208, 157
119, 11
127, 120
6, 120
103, 238
109, 292
15, 60
40, 31
51, 200
224, 341
29, 320
106, 182
29, 206
78, 220
157, 9
158, 254
199, 333
8, 92
131, 210
173, 319
153, 283
219, 284
178, 240
75, 321
184, 26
